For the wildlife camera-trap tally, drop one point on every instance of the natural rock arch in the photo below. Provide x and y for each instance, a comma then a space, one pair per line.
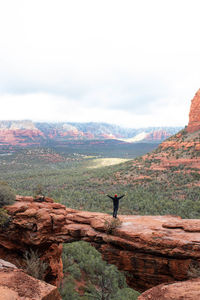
151, 249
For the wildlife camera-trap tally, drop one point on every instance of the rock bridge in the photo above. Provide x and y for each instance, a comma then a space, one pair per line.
151, 249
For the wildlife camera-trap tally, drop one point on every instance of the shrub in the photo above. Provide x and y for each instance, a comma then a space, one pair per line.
39, 190
34, 265
107, 284
67, 289
99, 280
126, 294
195, 175
111, 224
7, 196
4, 218
74, 271
194, 269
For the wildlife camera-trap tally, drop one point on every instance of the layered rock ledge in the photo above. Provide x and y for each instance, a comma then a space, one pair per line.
151, 249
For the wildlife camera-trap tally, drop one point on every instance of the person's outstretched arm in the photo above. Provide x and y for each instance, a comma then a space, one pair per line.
121, 197
110, 197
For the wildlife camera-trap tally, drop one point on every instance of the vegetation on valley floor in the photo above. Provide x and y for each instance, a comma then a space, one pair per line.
70, 180
87, 276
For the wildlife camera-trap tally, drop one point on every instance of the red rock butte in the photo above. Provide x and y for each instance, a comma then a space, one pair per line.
194, 115
151, 249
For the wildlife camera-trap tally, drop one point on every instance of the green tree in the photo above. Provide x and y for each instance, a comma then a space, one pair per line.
67, 289
126, 294
7, 196
102, 281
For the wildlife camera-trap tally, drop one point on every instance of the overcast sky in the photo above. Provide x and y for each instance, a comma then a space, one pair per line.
134, 63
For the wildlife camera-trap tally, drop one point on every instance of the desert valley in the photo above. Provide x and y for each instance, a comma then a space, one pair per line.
62, 173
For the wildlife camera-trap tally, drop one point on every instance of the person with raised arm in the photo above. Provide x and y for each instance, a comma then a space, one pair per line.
115, 203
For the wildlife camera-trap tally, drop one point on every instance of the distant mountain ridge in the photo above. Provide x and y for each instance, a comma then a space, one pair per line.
26, 132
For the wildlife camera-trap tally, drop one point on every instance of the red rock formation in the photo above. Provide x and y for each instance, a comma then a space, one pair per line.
69, 134
157, 135
21, 133
15, 284
182, 148
22, 137
34, 225
27, 133
194, 115
186, 290
152, 249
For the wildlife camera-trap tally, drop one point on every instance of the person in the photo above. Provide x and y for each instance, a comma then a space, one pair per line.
115, 203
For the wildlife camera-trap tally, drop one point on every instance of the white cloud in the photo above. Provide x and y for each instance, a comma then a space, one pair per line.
120, 61
44, 107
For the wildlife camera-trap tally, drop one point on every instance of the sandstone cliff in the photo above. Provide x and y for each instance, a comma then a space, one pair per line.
151, 249
182, 148
158, 135
187, 140
194, 116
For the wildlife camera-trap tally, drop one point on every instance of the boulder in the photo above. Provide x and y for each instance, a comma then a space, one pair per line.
187, 290
15, 284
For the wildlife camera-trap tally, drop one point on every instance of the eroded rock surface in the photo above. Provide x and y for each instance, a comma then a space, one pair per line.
187, 290
151, 249
15, 284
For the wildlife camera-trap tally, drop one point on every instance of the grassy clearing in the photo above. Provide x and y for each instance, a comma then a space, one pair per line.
105, 162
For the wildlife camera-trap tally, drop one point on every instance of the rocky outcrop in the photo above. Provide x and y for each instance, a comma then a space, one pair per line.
23, 133
15, 284
151, 249
35, 225
157, 135
182, 148
194, 115
20, 137
187, 290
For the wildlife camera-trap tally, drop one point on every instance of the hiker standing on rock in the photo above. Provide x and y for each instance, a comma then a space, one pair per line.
115, 203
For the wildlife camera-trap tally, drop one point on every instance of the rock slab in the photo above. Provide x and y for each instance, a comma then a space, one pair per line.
15, 284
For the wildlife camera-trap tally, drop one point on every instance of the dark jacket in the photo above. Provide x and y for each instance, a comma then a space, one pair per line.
115, 198
115, 204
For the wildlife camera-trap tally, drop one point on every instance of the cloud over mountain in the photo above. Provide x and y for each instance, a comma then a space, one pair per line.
131, 62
